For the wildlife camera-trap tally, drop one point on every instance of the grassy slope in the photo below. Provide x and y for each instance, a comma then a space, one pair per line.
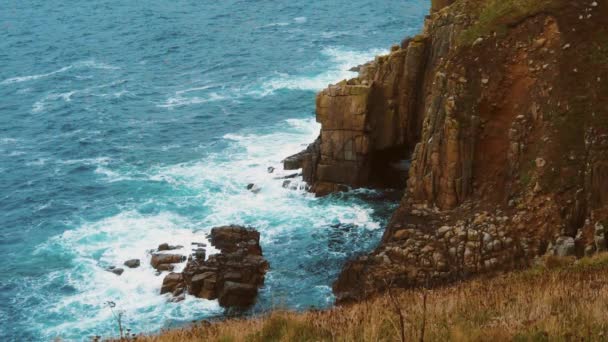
557, 301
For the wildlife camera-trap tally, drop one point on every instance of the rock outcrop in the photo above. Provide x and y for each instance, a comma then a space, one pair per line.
502, 111
232, 276
165, 261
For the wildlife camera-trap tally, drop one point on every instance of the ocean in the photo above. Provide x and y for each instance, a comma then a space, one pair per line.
126, 124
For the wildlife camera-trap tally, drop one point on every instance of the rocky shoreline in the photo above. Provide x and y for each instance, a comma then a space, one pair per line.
232, 276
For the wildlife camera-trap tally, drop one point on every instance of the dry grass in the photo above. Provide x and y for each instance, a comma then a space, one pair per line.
556, 302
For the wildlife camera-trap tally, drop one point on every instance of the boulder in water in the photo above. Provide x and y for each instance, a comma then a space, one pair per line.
116, 270
132, 263
233, 276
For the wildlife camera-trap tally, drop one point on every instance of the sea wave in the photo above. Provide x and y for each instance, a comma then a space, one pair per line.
341, 60
40, 105
83, 64
109, 242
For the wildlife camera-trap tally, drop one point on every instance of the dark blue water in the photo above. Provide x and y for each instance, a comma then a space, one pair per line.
124, 124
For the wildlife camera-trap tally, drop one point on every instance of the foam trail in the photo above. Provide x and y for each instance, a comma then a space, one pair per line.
341, 59
84, 64
216, 185
110, 242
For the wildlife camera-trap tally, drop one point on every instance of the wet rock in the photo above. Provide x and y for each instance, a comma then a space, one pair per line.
286, 184
165, 267
116, 270
199, 253
159, 259
237, 294
295, 161
167, 247
233, 276
132, 263
290, 176
270, 169
253, 188
171, 282
231, 238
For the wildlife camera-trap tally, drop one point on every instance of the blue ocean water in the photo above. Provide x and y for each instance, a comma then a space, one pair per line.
125, 124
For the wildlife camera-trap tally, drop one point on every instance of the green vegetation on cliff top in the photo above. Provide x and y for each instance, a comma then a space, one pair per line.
496, 16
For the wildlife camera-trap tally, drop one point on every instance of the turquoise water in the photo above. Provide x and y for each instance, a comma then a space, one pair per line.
125, 124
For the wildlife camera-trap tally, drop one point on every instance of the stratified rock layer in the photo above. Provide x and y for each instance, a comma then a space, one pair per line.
232, 276
503, 115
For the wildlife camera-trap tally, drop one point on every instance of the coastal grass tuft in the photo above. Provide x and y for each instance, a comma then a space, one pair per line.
558, 300
496, 16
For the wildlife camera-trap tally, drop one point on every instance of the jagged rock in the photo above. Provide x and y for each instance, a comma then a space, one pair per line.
294, 162
199, 253
487, 124
233, 275
171, 282
161, 261
132, 263
237, 294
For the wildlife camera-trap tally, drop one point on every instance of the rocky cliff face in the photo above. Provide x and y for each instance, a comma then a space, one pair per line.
501, 108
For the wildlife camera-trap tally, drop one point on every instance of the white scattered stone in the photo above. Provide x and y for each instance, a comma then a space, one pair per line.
540, 162
594, 4
564, 246
566, 47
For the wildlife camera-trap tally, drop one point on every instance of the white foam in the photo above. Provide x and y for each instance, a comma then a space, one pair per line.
110, 242
87, 161
39, 105
83, 64
273, 25
342, 60
300, 20
219, 182
178, 100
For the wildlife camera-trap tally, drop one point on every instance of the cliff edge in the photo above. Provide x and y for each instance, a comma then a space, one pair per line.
495, 120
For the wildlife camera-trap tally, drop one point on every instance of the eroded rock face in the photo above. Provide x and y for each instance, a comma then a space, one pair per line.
232, 276
508, 158
368, 124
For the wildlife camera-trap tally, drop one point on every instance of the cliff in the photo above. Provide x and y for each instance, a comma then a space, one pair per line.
500, 110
